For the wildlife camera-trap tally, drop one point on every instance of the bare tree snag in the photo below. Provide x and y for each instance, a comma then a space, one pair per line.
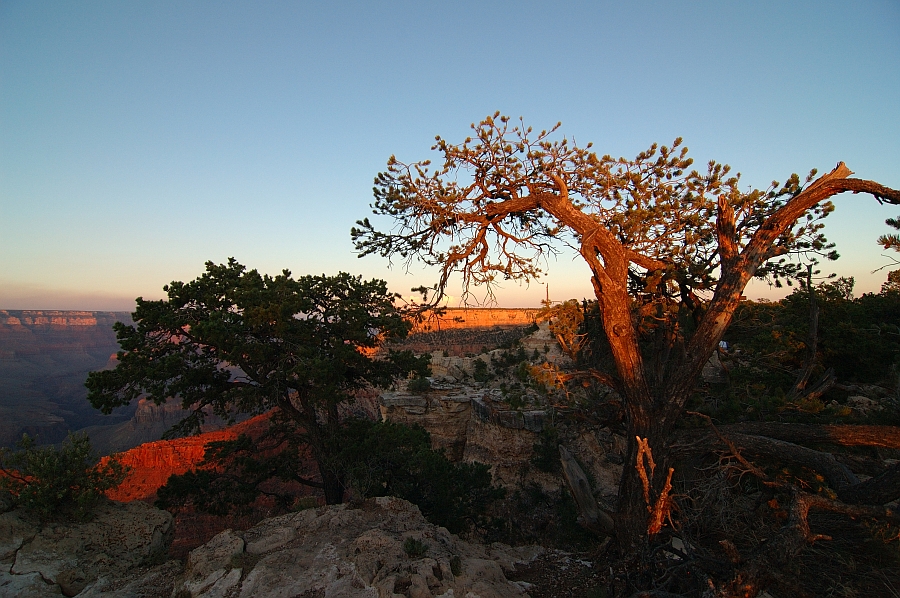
591, 517
836, 474
840, 435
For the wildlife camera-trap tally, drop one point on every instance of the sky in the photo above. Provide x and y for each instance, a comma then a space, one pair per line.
140, 139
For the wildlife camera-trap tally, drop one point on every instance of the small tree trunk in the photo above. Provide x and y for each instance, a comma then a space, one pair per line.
334, 486
812, 343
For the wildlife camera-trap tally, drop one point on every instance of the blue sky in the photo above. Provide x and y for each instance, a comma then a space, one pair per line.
139, 139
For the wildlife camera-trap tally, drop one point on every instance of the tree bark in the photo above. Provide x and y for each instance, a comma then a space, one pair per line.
879, 490
836, 474
333, 486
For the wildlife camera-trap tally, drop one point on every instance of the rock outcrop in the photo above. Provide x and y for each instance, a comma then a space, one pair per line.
63, 559
380, 548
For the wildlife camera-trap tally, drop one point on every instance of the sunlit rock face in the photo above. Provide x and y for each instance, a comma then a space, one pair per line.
152, 463
463, 318
45, 357
459, 332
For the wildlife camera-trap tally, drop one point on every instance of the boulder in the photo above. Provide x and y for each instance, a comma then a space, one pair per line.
15, 530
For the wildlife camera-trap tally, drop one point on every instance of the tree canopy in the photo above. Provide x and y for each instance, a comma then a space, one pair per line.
235, 341
670, 249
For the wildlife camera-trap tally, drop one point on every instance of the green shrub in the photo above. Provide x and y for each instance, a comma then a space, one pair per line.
388, 459
58, 483
480, 373
415, 548
419, 385
456, 565
375, 459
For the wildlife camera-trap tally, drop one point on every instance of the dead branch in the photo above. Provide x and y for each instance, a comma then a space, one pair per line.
644, 453
838, 434
836, 474
662, 508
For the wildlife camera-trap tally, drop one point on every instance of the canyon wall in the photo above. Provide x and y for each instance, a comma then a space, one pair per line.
45, 357
482, 317
462, 331
472, 424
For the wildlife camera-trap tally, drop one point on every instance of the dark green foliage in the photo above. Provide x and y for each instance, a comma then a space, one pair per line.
415, 548
481, 373
375, 459
456, 565
57, 483
859, 338
546, 451
235, 341
388, 459
891, 241
419, 385
508, 359
235, 473
892, 284
546, 518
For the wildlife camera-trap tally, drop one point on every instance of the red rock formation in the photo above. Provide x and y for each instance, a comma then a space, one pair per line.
152, 463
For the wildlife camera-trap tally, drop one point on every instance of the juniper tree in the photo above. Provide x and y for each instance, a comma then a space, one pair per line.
236, 341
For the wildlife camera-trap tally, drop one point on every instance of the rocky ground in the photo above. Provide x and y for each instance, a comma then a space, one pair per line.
378, 548
558, 574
